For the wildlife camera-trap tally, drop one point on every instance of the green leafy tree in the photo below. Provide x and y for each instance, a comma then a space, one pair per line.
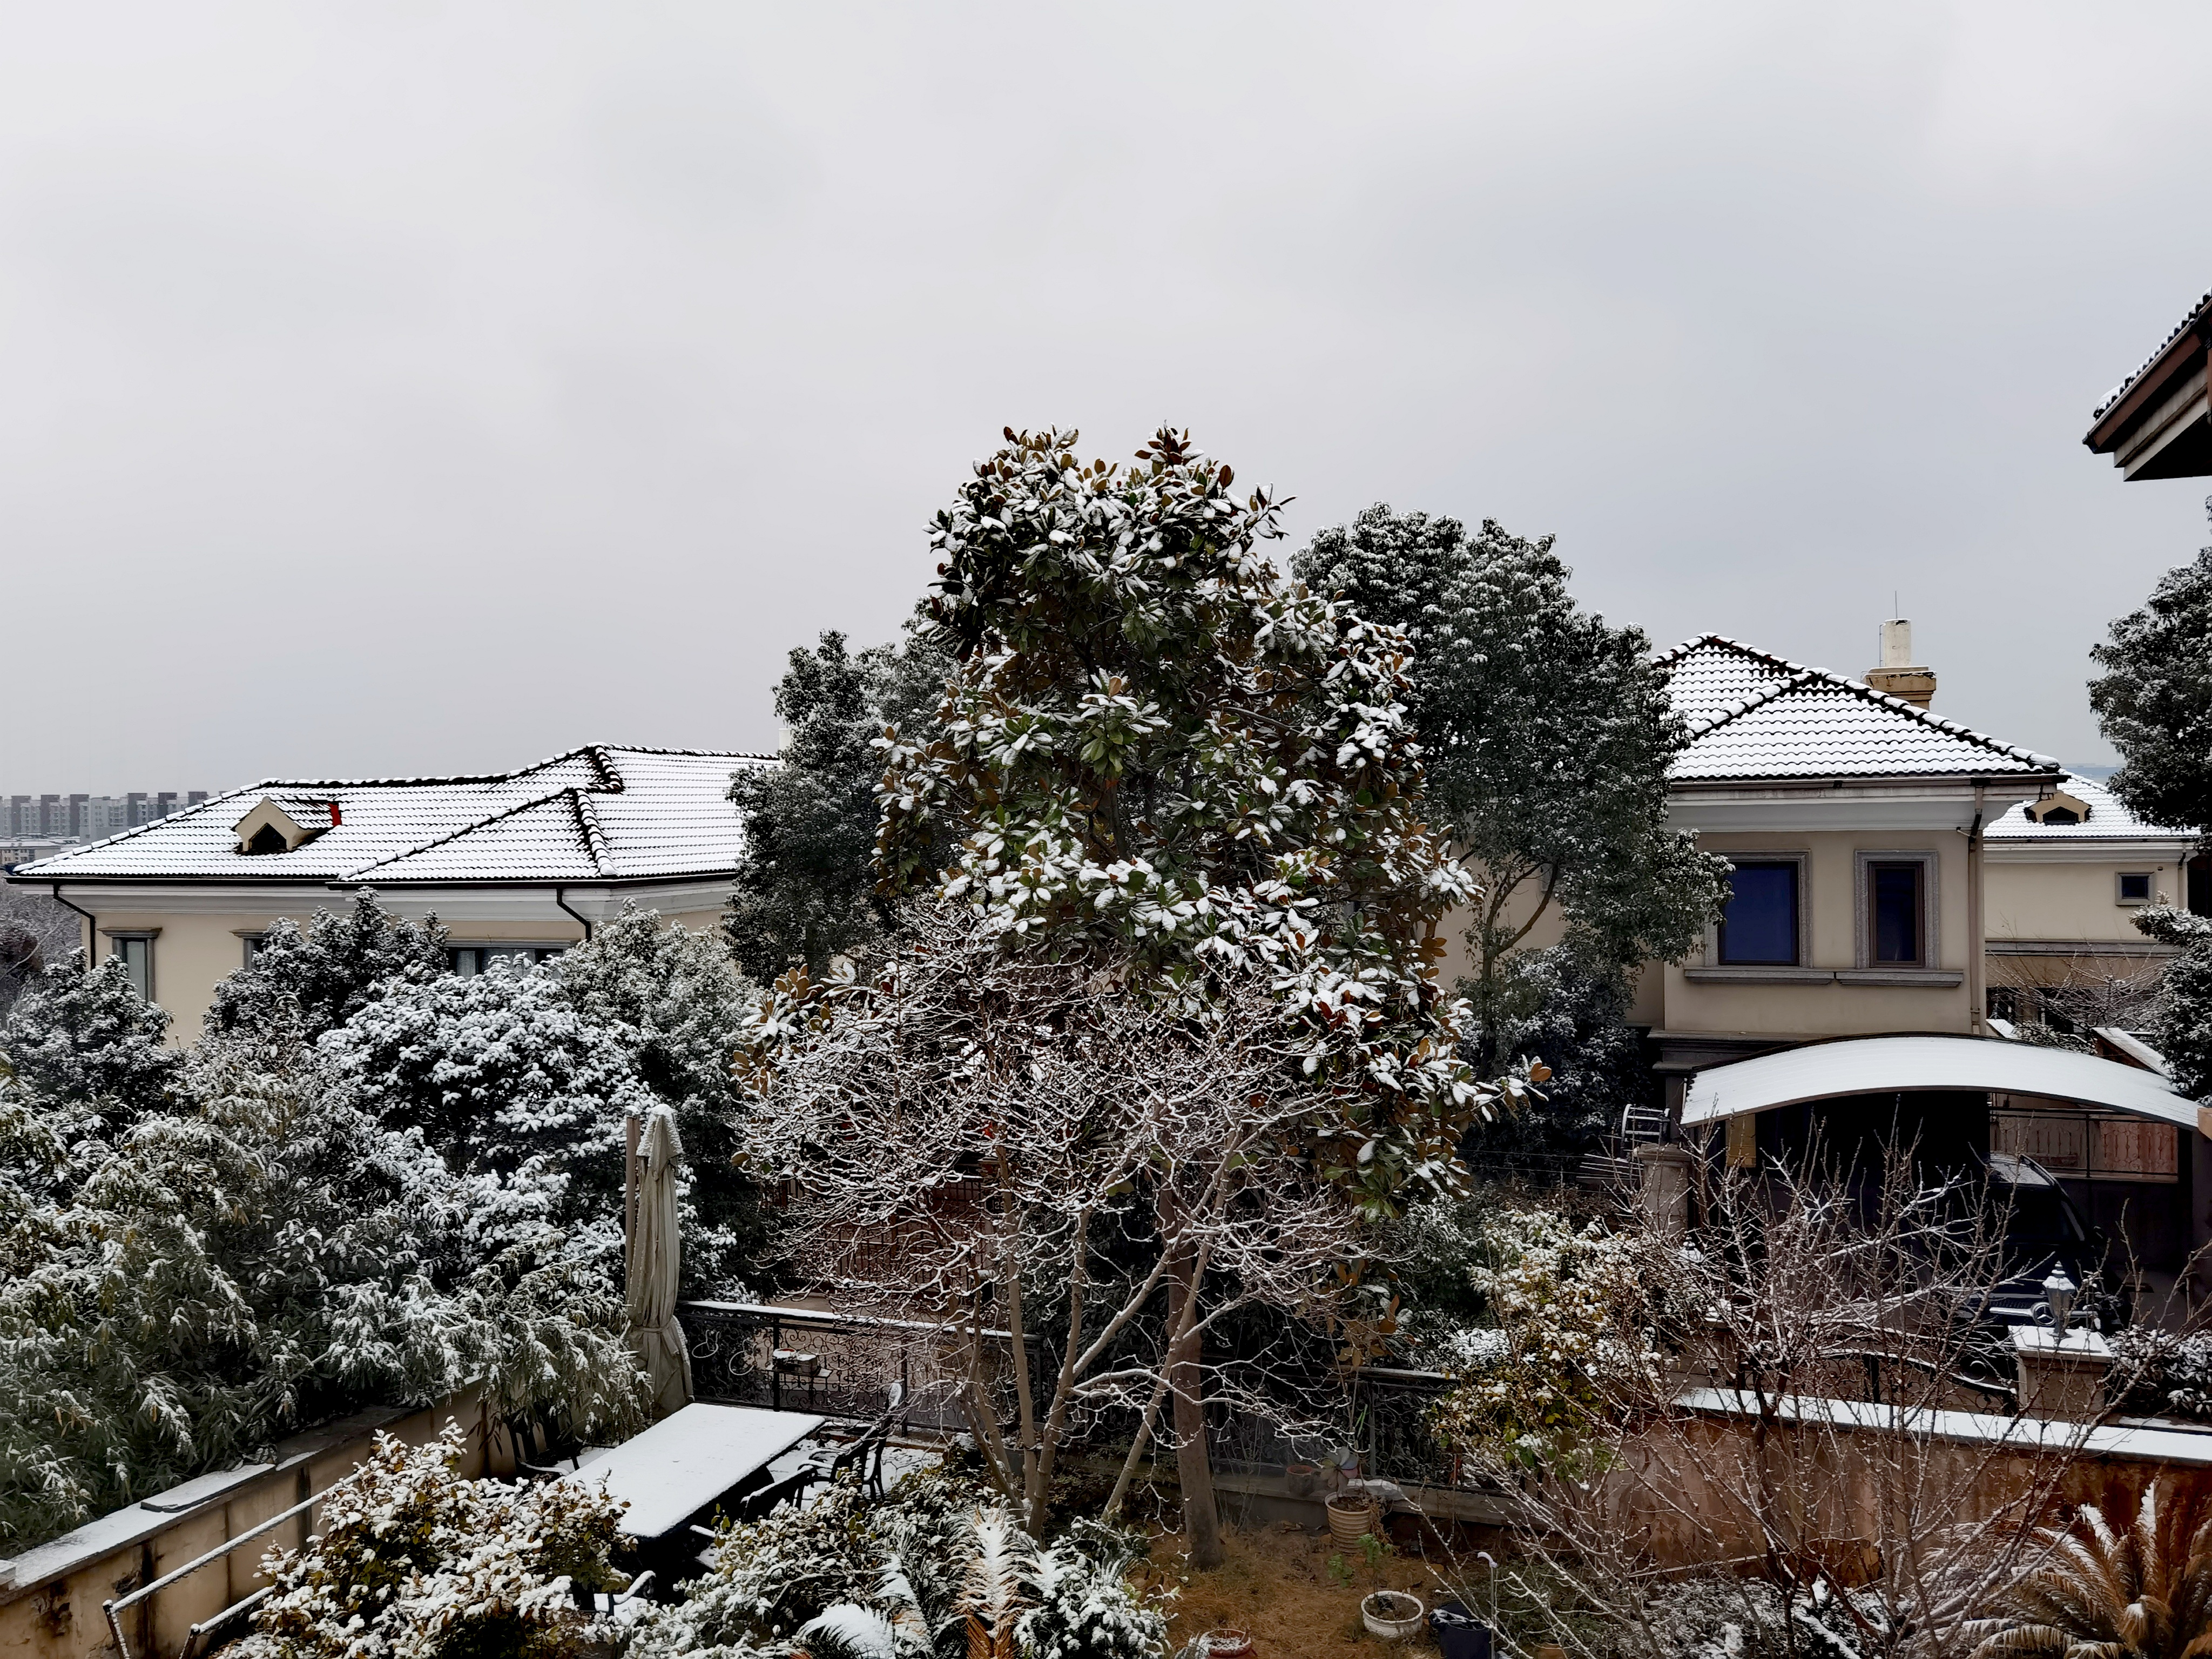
805, 891
1572, 1019
2154, 699
315, 978
2181, 1019
1547, 736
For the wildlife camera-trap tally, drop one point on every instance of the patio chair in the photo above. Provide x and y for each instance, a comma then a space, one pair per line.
541, 1453
865, 1454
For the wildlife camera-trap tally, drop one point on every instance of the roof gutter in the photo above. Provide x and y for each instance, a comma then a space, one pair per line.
91, 925
1978, 994
561, 898
2187, 345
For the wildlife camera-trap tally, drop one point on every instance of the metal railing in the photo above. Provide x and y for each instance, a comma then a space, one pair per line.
196, 1638
834, 1364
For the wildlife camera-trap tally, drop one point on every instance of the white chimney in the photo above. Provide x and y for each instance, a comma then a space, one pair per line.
1898, 674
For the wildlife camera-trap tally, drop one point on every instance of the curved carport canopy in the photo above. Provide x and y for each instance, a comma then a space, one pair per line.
1884, 1065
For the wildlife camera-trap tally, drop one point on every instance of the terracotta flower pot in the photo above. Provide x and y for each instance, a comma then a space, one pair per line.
1228, 1643
1301, 1480
1392, 1614
1351, 1518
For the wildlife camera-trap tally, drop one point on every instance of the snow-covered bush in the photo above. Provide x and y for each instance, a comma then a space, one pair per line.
186, 1288
411, 1561
678, 1006
502, 1075
2170, 1375
937, 1568
313, 979
1568, 1303
85, 1043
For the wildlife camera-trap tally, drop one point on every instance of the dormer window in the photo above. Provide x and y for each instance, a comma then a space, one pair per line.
282, 825
2057, 809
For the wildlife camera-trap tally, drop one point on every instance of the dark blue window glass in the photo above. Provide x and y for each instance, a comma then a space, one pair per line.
1897, 913
1761, 924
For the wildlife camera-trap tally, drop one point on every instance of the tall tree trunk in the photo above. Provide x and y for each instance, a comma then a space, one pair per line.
1201, 1519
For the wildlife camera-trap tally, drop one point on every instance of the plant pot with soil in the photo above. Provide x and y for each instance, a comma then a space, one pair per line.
1352, 1516
1227, 1642
1392, 1614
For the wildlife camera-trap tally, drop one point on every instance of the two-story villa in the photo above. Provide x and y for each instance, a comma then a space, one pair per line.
1855, 821
515, 865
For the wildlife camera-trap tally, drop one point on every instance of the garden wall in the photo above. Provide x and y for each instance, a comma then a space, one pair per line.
51, 1597
1846, 1474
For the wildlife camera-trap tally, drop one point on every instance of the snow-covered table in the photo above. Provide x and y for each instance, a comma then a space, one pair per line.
689, 1461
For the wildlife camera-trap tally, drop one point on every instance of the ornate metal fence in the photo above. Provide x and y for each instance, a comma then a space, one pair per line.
749, 1353
1381, 1421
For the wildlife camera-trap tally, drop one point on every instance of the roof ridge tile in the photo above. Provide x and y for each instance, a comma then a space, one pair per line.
1803, 676
532, 803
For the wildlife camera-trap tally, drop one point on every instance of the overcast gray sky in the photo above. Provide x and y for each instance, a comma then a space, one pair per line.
406, 388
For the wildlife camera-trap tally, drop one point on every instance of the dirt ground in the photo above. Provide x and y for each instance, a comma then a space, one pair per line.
1277, 1583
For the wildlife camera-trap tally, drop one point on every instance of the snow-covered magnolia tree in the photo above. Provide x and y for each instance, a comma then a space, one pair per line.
2154, 701
1545, 735
1157, 762
1154, 751
1052, 1159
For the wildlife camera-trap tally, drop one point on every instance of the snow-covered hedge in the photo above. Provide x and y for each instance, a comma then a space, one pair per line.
369, 1183
186, 1287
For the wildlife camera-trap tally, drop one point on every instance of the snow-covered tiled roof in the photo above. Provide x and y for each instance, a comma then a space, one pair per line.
2109, 819
1754, 715
598, 813
2189, 320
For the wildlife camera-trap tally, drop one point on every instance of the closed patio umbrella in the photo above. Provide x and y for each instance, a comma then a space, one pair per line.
650, 1282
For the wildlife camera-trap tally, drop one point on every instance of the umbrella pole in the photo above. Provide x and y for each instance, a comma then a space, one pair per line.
631, 1128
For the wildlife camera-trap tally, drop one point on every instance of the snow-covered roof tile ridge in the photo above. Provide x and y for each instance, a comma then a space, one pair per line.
2189, 320
1752, 714
602, 812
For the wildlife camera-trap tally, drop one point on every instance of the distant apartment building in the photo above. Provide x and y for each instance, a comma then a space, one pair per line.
89, 818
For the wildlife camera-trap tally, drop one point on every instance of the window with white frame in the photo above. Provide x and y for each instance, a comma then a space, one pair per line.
2136, 887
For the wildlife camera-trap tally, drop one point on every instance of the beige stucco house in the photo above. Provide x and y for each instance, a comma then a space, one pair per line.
1855, 821
522, 863
2066, 877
